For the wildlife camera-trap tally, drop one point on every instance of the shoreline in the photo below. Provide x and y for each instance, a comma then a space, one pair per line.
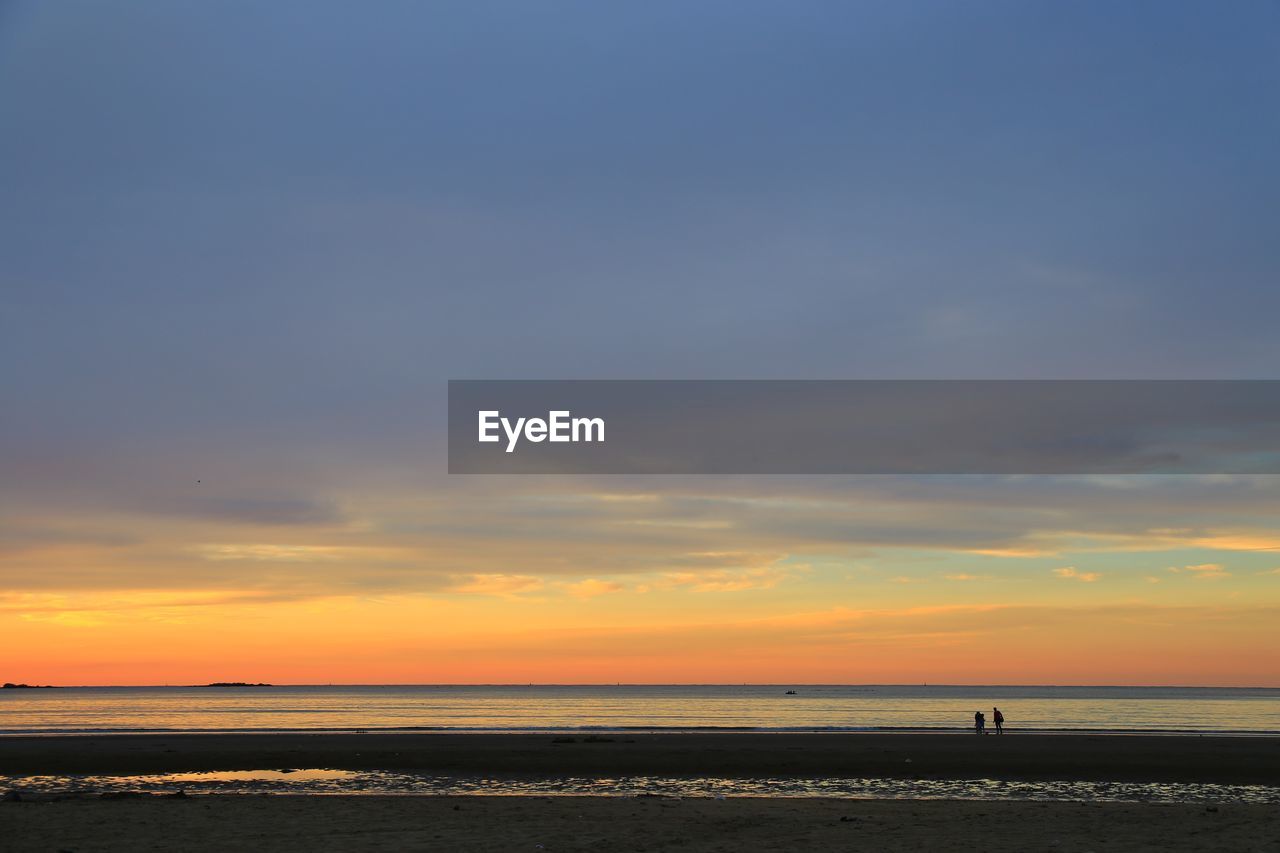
899, 755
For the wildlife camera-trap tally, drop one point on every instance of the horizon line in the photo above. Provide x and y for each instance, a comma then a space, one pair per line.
37, 686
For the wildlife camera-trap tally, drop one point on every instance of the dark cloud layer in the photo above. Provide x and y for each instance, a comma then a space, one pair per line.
247, 243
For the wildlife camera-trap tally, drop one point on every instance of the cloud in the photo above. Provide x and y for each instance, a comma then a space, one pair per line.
16, 539
497, 584
282, 553
1240, 541
1203, 571
1070, 572
725, 559
591, 587
567, 529
721, 580
266, 512
95, 609
67, 618
964, 576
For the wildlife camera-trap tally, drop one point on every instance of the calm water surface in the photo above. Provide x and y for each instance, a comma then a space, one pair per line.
549, 708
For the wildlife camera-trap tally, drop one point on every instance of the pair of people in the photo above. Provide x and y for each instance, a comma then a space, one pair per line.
980, 722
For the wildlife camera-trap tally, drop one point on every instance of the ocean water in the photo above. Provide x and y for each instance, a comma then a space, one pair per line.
640, 707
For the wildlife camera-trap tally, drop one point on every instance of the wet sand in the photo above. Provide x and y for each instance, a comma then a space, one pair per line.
1127, 758
532, 824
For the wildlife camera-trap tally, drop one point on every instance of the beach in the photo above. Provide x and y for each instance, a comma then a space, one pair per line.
89, 820
1137, 758
289, 823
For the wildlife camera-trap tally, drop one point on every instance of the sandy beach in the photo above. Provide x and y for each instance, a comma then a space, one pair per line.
93, 822
288, 823
1136, 758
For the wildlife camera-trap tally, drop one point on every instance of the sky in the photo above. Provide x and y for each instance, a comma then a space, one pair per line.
243, 246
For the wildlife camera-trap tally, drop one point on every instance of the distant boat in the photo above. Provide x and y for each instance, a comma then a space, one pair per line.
790, 693
237, 684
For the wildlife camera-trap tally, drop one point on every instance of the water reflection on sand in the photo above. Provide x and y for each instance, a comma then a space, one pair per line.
328, 781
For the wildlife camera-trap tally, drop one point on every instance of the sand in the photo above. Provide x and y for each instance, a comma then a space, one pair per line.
497, 823
320, 823
1227, 760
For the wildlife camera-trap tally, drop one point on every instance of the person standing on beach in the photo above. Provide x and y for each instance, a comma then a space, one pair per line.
999, 720
979, 722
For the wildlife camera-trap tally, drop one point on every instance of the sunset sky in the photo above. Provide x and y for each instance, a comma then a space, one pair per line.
243, 246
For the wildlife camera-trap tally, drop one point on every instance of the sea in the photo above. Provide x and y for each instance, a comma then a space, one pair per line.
632, 707
592, 709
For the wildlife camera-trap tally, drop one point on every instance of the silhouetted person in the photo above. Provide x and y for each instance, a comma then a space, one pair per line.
979, 723
999, 720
